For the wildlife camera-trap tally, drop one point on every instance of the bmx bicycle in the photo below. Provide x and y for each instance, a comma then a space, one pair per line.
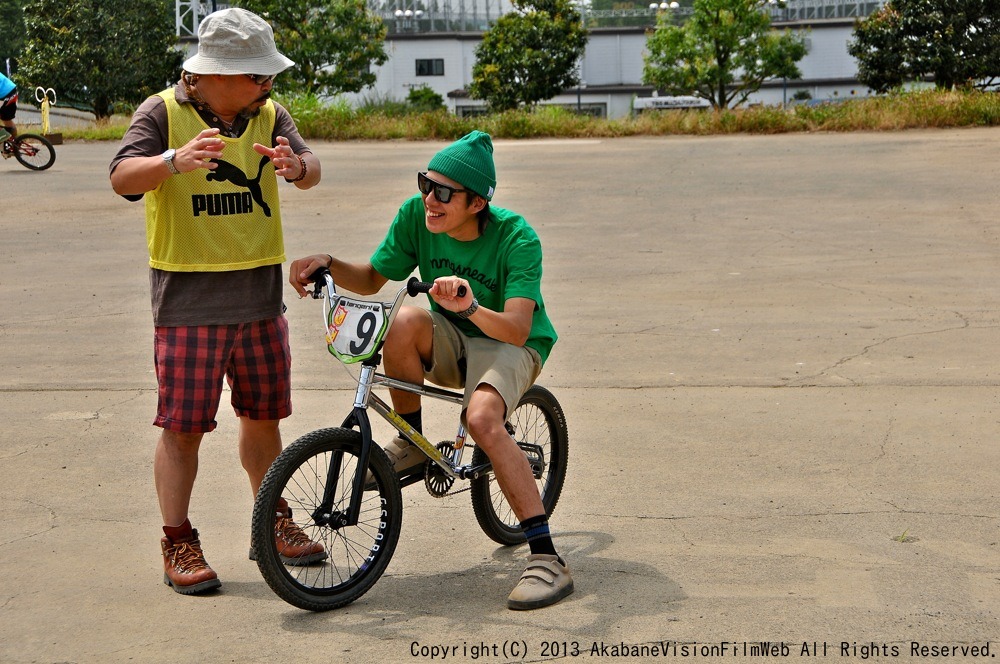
342, 489
32, 150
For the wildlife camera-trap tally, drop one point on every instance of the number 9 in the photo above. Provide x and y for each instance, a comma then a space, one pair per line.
366, 330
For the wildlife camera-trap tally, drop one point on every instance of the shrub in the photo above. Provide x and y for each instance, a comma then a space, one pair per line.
388, 119
423, 99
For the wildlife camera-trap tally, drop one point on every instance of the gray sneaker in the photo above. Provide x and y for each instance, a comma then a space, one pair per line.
545, 581
404, 456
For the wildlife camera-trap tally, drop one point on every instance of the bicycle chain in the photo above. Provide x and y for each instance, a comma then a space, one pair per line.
452, 493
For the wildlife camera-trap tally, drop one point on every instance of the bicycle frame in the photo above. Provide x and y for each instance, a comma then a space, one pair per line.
359, 419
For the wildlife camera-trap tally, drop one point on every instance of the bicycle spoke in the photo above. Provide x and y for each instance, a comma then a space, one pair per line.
355, 555
538, 425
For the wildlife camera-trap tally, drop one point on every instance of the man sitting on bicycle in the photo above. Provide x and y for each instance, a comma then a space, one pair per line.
492, 340
8, 109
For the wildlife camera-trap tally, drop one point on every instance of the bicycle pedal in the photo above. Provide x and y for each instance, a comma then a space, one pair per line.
411, 477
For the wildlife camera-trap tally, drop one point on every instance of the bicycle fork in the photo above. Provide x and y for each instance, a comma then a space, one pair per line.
324, 514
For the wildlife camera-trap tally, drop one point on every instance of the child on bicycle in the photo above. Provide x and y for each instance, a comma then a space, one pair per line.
492, 340
8, 109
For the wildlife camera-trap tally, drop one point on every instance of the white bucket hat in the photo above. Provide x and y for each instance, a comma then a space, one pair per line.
235, 41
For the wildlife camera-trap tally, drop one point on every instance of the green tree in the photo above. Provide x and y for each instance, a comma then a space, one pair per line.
877, 48
723, 53
334, 43
955, 41
529, 55
99, 54
12, 35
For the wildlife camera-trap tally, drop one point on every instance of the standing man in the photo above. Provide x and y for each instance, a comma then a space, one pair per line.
492, 340
8, 108
207, 154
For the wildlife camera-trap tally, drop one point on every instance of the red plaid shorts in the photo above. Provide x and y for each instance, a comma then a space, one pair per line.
191, 362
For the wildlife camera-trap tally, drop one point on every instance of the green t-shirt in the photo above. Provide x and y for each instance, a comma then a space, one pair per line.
504, 262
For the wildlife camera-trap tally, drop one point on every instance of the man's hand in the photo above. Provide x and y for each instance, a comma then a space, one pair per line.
197, 152
302, 268
137, 175
512, 325
445, 293
286, 163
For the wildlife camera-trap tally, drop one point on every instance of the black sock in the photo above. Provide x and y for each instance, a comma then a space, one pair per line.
414, 419
536, 529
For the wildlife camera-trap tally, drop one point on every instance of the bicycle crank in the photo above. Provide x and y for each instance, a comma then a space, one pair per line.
436, 480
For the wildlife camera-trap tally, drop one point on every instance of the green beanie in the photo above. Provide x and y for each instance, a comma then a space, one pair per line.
469, 161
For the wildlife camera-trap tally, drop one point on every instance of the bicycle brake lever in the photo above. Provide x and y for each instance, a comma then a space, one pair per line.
318, 277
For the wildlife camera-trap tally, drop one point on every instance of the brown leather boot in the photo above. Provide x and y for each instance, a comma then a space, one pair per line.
294, 546
184, 566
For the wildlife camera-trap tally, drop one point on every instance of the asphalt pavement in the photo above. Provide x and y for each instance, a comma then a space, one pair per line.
778, 361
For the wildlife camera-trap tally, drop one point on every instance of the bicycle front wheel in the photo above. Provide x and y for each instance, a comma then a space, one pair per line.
324, 463
538, 426
34, 151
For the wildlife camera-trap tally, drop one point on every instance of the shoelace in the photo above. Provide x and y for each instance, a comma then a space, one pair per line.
188, 557
290, 532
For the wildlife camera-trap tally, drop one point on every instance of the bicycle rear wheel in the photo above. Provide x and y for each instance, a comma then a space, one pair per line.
34, 151
538, 425
356, 555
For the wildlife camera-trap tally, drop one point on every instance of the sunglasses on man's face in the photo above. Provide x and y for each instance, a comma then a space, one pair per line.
261, 79
442, 192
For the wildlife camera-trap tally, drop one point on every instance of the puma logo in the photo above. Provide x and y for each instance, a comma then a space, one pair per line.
226, 172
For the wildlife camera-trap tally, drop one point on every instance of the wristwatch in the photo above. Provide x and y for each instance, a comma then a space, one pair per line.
168, 159
471, 310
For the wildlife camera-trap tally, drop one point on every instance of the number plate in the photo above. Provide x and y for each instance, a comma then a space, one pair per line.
354, 329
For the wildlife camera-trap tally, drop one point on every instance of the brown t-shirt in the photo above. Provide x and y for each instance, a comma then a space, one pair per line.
205, 298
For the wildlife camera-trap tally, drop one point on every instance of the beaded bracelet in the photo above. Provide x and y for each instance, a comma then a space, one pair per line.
302, 175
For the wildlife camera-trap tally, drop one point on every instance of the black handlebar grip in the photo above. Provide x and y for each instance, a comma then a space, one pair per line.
318, 278
318, 273
414, 287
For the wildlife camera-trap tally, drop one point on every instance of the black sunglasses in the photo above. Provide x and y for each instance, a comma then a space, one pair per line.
442, 192
261, 79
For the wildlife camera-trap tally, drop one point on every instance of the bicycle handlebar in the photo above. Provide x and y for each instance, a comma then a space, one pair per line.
414, 287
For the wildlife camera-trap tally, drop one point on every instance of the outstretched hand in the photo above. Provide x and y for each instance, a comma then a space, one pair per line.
286, 163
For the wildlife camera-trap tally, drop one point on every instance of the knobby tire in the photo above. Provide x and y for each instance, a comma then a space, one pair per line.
357, 555
537, 419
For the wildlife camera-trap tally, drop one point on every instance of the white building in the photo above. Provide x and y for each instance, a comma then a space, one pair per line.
436, 48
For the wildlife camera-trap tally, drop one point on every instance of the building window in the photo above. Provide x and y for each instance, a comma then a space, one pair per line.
431, 67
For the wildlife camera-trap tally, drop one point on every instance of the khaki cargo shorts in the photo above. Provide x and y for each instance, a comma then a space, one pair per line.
459, 361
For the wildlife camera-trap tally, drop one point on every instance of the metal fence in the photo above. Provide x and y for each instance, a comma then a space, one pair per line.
437, 16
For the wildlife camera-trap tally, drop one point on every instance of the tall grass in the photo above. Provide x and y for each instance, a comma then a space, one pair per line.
111, 129
386, 119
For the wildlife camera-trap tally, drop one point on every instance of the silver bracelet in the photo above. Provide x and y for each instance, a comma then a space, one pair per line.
473, 308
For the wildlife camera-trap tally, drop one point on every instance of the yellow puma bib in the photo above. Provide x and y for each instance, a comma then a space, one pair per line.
219, 220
